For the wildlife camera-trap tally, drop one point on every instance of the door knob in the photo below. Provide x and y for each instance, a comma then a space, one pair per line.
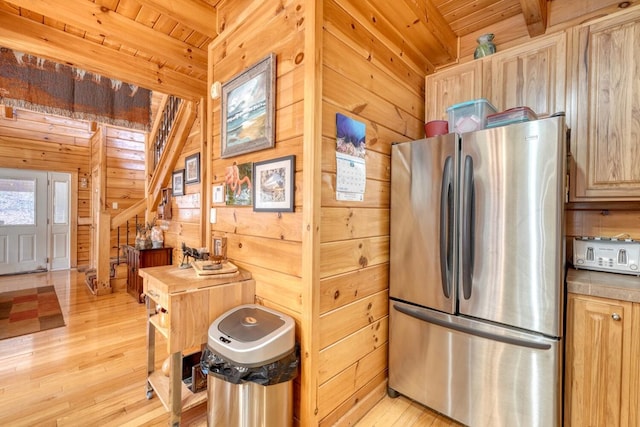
616, 317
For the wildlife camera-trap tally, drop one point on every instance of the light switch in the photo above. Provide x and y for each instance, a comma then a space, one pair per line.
114, 205
212, 216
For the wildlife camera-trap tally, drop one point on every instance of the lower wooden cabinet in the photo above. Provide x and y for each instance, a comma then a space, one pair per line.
602, 362
141, 258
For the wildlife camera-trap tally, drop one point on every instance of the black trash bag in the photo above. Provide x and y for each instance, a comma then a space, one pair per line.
283, 369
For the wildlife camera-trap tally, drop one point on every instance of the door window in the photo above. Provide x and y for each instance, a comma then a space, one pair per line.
17, 201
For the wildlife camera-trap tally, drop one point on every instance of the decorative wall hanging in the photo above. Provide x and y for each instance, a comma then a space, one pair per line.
177, 182
273, 189
38, 84
248, 109
192, 169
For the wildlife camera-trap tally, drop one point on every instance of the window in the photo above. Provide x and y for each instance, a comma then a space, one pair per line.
17, 201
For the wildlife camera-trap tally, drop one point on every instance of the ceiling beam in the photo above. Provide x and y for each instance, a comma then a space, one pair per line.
93, 18
535, 15
194, 14
28, 36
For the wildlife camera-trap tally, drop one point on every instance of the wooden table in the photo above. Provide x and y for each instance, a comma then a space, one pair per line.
192, 302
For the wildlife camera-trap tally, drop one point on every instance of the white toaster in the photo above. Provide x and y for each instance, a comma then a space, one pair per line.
604, 254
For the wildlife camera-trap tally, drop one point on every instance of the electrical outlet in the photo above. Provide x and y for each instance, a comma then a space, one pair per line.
212, 216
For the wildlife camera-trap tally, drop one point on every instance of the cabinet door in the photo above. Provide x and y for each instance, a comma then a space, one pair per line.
451, 86
132, 271
598, 351
634, 373
605, 126
532, 75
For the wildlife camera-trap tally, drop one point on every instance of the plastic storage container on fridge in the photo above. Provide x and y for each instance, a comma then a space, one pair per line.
512, 115
469, 116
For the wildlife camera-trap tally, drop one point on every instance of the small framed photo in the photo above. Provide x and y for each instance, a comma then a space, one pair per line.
192, 169
248, 109
177, 182
220, 247
273, 185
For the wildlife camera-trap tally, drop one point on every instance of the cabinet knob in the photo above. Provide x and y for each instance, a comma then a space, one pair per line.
616, 317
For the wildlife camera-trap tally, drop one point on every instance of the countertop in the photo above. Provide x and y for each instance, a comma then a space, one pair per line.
622, 287
172, 279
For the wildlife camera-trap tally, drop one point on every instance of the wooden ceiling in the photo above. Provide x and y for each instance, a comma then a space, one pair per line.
162, 44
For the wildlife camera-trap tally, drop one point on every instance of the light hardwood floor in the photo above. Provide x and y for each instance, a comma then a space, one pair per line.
93, 371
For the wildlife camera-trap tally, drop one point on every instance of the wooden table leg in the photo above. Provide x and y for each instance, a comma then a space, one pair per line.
151, 346
175, 388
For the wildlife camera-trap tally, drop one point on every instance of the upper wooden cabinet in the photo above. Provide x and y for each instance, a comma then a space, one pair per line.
532, 75
605, 100
452, 86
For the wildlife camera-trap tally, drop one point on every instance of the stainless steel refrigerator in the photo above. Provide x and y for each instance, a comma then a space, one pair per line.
477, 273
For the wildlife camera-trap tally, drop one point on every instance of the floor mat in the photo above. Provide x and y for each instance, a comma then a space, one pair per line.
29, 310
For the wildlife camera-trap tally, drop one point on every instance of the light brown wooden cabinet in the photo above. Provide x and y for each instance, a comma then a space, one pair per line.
452, 86
601, 359
605, 107
532, 74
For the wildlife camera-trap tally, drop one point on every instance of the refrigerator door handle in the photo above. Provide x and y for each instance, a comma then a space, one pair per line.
446, 226
468, 224
426, 317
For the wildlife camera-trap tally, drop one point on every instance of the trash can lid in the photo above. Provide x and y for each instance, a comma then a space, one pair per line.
249, 324
252, 335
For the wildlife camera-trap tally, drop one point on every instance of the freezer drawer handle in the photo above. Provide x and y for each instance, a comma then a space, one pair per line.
446, 226
467, 330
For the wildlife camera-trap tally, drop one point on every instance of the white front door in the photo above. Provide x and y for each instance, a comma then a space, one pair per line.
23, 221
59, 224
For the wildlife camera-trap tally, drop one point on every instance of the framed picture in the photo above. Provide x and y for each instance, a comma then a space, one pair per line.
248, 109
192, 169
220, 247
239, 184
177, 182
273, 189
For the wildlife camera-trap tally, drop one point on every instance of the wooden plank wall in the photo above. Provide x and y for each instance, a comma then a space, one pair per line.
267, 244
185, 223
366, 79
125, 180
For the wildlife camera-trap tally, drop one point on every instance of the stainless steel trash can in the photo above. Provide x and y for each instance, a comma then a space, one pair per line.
251, 362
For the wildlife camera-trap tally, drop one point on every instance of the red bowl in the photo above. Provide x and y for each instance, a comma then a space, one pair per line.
436, 127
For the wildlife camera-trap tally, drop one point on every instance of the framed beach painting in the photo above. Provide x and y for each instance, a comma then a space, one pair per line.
248, 109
